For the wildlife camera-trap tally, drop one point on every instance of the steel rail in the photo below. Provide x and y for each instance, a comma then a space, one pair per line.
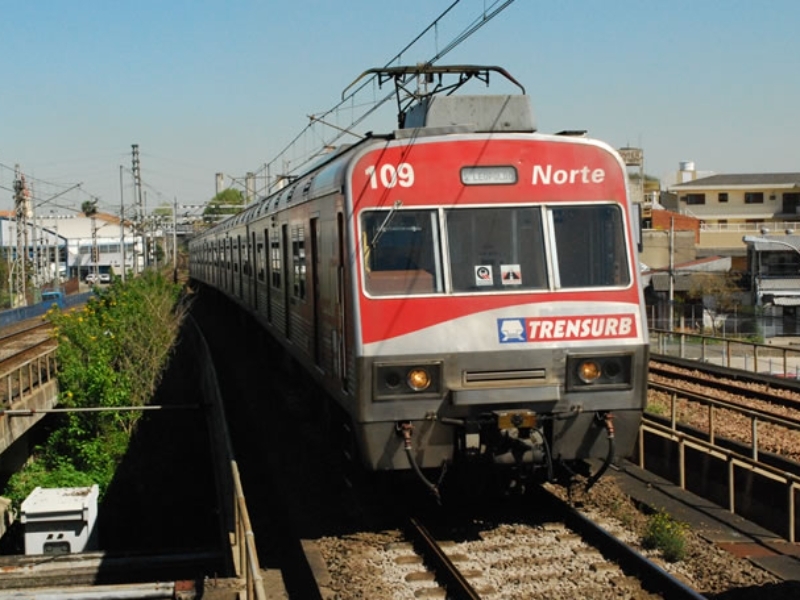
651, 575
447, 574
748, 411
732, 388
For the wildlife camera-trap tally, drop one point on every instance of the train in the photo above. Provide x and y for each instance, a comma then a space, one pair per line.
464, 288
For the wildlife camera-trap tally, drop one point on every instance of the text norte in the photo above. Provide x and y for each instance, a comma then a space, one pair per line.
546, 175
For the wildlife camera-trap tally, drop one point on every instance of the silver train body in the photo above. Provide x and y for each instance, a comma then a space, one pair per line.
464, 288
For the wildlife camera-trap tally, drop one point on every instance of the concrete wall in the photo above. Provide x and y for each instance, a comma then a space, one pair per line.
655, 248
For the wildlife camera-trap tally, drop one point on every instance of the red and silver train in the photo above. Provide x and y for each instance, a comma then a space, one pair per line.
465, 288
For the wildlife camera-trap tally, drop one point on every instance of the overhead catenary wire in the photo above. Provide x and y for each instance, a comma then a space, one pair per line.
355, 91
486, 16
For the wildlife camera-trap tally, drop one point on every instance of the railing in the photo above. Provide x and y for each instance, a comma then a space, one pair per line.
14, 315
27, 378
733, 460
235, 518
754, 415
776, 226
246, 559
729, 352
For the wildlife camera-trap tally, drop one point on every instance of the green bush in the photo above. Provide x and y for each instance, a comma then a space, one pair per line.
111, 353
665, 534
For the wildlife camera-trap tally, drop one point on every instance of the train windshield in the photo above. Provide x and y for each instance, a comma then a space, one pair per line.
502, 248
590, 246
496, 248
401, 253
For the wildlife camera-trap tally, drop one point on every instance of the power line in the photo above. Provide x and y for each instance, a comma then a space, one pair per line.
486, 16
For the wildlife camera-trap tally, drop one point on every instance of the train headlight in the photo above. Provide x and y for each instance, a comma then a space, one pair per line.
395, 381
599, 372
419, 379
589, 371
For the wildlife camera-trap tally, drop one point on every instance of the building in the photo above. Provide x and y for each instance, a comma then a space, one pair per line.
774, 268
730, 206
64, 247
760, 198
761, 207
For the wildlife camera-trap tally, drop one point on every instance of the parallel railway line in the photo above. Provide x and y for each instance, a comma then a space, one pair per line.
27, 360
779, 392
752, 413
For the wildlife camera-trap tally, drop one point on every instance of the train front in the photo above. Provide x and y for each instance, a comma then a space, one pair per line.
500, 311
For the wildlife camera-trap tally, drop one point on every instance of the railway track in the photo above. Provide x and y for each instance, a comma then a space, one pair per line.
27, 361
18, 344
563, 553
778, 392
751, 413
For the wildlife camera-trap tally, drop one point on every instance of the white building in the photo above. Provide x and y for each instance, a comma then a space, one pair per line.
64, 245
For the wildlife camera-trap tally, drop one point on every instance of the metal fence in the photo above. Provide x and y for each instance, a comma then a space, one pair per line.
9, 317
755, 357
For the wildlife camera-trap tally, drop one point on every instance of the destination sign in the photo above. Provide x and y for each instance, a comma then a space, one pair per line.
489, 175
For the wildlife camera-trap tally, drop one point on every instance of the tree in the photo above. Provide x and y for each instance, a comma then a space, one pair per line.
718, 293
163, 212
227, 202
89, 208
650, 183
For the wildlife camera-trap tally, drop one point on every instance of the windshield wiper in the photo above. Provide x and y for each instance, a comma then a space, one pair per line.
397, 204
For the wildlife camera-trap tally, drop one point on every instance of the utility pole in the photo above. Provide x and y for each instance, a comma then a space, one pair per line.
672, 273
250, 188
175, 239
139, 213
122, 225
95, 250
147, 228
22, 199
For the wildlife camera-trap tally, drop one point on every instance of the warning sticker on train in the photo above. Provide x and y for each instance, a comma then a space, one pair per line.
545, 329
483, 275
511, 274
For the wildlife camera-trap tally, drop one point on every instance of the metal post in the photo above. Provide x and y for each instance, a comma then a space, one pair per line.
731, 491
672, 274
175, 238
122, 226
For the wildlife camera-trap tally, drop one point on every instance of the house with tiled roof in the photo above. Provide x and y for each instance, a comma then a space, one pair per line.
754, 216
741, 198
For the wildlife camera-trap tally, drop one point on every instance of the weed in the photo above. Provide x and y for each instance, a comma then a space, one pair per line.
665, 534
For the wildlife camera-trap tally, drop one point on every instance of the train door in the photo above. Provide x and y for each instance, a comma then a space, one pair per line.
268, 273
341, 341
226, 257
238, 267
254, 259
287, 273
219, 274
313, 230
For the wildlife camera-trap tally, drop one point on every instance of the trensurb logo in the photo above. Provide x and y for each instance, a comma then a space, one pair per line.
545, 329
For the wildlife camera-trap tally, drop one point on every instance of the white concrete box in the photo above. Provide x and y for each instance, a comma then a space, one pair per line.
60, 520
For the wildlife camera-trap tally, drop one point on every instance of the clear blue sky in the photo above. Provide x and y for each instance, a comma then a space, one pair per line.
206, 86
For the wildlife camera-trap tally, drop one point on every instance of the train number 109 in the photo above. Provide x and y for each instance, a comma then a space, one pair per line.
389, 176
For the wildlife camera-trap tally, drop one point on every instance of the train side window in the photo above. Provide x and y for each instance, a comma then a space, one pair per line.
400, 250
275, 258
496, 249
590, 246
299, 260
